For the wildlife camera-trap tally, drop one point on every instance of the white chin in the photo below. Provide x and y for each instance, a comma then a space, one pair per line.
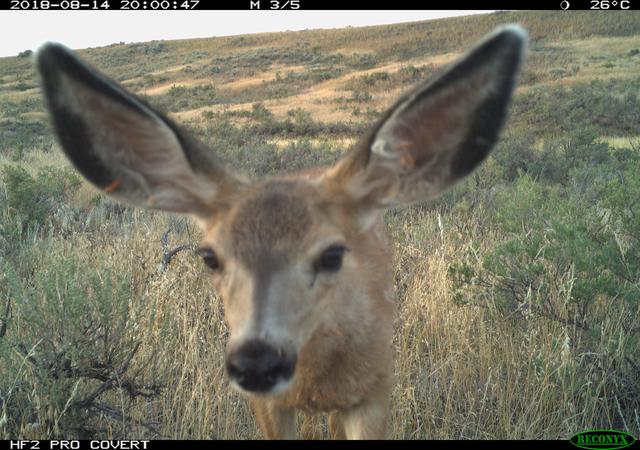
277, 389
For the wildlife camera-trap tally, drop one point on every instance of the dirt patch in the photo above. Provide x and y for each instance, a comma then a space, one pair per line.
335, 142
20, 95
170, 69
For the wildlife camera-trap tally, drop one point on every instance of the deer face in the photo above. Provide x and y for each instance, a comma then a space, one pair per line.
288, 261
278, 258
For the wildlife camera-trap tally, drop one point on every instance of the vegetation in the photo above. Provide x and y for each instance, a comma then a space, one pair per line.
518, 291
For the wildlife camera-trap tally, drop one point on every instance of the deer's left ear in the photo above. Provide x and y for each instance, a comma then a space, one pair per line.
125, 147
437, 134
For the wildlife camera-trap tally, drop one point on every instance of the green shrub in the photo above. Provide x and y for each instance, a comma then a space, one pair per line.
260, 113
11, 108
551, 231
34, 199
23, 86
180, 98
565, 256
553, 161
18, 136
611, 106
155, 47
69, 343
302, 154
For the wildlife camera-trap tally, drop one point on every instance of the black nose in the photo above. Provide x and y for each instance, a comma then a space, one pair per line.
257, 366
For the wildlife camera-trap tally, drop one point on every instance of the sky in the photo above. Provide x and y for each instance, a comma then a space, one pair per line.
23, 30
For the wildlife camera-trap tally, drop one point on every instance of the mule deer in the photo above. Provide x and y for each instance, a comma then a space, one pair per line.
303, 262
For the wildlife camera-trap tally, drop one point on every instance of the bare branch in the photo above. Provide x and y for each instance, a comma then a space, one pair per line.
167, 255
166, 258
108, 384
123, 418
4, 320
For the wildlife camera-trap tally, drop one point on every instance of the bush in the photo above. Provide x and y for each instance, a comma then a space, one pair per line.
69, 342
35, 199
16, 137
569, 258
611, 106
302, 154
15, 108
514, 156
552, 232
553, 161
180, 98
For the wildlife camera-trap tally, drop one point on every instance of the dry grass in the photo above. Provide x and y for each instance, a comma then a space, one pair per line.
331, 143
320, 99
622, 141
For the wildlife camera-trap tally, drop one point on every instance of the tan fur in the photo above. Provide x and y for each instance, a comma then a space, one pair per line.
345, 364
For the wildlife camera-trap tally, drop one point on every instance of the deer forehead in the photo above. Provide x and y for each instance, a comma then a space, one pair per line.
275, 221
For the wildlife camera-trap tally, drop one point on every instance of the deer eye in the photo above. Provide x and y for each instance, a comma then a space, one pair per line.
331, 259
209, 257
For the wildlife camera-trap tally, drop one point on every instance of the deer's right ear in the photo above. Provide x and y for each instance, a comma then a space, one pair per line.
123, 146
437, 134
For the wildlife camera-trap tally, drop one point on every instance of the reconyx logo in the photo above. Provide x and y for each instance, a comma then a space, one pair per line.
602, 439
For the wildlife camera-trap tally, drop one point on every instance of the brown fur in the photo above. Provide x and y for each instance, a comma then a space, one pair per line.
346, 363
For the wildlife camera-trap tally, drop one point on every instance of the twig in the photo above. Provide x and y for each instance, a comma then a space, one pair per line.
121, 417
108, 384
166, 258
167, 255
5, 319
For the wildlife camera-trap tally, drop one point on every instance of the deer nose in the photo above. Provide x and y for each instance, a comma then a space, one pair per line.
257, 366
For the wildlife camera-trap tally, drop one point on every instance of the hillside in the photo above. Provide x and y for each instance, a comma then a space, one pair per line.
518, 291
339, 75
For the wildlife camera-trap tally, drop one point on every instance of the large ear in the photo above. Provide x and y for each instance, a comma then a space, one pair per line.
438, 133
124, 147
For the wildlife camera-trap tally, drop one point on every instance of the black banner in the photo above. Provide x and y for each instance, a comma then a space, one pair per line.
185, 445
304, 5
